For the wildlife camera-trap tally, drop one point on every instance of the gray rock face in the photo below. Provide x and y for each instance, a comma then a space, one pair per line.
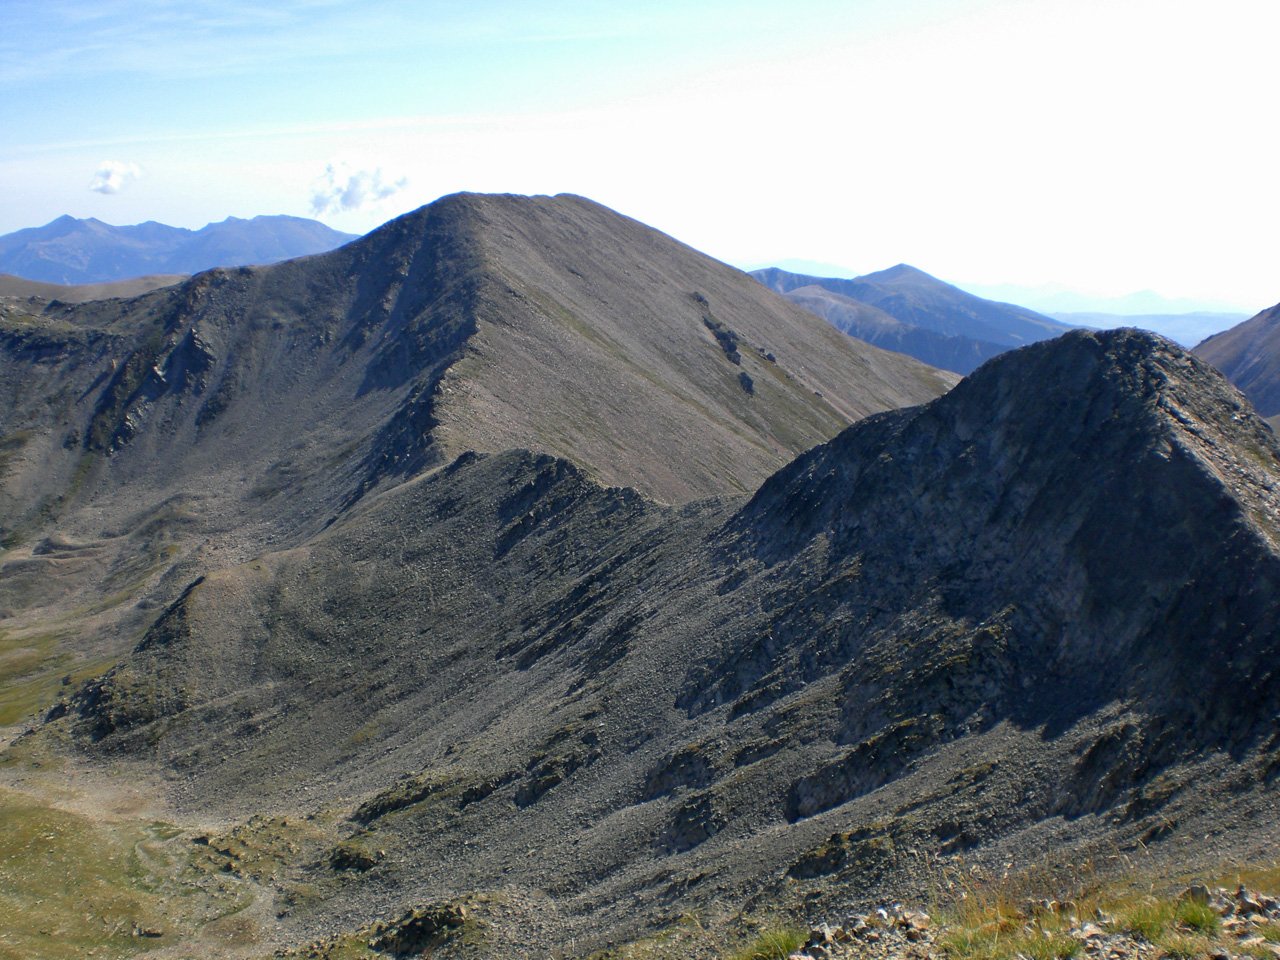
1034, 617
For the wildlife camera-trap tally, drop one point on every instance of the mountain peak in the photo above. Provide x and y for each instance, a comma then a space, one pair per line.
1059, 422
1036, 614
900, 271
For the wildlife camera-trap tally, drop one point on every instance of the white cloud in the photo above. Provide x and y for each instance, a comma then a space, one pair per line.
341, 188
113, 176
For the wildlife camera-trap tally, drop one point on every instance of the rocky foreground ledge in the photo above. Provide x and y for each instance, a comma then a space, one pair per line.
1214, 923
1201, 923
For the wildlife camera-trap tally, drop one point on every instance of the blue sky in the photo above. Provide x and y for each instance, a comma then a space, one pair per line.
1105, 146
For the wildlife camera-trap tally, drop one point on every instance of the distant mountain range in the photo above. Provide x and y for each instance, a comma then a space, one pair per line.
71, 251
1187, 329
907, 310
1053, 299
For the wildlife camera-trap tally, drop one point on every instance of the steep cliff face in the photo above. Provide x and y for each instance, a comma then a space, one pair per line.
1097, 517
224, 385
1034, 616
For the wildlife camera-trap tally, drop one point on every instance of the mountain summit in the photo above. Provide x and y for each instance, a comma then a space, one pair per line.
477, 323
146, 441
515, 581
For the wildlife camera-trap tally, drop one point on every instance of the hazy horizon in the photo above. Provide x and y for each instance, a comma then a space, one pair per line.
1110, 148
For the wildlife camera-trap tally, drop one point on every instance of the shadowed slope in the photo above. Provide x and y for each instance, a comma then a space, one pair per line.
1249, 356
237, 385
1036, 614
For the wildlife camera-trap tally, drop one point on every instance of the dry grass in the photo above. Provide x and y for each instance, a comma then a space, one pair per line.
998, 920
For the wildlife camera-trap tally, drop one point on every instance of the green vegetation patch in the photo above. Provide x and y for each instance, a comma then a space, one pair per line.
70, 884
1011, 917
775, 943
1146, 917
34, 668
990, 942
1197, 916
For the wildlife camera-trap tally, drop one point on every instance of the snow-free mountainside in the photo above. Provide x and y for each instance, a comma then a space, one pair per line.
516, 581
907, 310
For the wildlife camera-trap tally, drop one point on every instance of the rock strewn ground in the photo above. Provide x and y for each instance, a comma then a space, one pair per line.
1215, 923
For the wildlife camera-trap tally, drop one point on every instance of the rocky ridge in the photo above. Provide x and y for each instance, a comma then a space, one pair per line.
147, 441
1032, 618
436, 334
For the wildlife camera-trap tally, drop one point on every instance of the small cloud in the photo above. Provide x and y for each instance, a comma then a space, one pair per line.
342, 188
113, 176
